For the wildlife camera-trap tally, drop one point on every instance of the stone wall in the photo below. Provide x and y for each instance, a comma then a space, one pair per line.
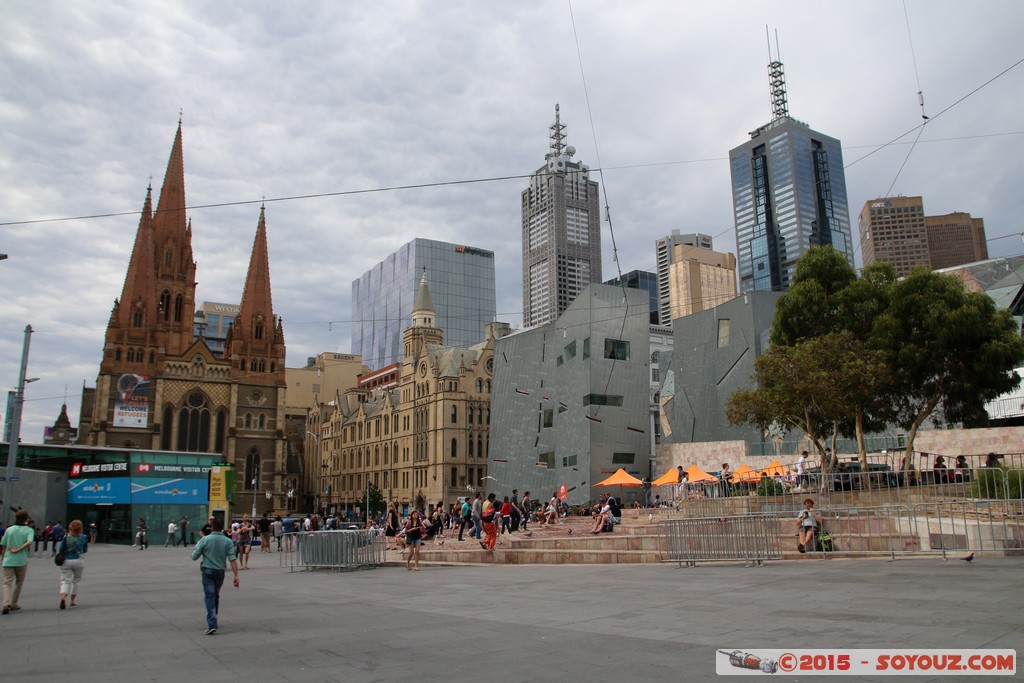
950, 443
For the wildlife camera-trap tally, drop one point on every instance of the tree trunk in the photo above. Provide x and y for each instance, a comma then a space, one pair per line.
862, 451
916, 424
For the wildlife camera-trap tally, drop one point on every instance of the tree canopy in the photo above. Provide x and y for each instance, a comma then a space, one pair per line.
855, 353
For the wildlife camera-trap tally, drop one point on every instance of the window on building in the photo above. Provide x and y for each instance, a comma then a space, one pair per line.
194, 424
252, 470
455, 415
586, 348
602, 400
166, 428
547, 458
455, 447
616, 349
723, 333
548, 419
623, 458
569, 461
570, 350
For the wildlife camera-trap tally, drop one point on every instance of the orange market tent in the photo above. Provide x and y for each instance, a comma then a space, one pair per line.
695, 474
670, 477
775, 468
745, 473
620, 478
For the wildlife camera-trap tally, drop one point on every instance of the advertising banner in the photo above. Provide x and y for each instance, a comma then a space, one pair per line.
131, 407
151, 491
108, 491
222, 484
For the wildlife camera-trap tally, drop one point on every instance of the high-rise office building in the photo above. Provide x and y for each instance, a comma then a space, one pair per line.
641, 279
700, 279
561, 232
211, 323
955, 239
461, 284
892, 230
896, 230
664, 248
789, 194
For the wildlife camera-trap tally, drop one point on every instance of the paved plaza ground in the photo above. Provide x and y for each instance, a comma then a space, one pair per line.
141, 618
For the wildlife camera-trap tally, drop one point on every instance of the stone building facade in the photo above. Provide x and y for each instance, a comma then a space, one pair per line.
159, 387
419, 443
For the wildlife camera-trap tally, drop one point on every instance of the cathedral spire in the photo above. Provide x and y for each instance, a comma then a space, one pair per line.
137, 306
256, 339
169, 221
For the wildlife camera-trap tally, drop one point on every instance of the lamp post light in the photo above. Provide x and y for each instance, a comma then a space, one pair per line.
12, 451
255, 482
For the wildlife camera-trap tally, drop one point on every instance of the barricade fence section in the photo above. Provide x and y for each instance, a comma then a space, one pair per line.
335, 550
754, 539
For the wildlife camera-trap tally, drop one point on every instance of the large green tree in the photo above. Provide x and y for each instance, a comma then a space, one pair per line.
819, 385
948, 350
812, 306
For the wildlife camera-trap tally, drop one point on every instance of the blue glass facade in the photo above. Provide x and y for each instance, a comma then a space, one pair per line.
462, 290
789, 194
641, 279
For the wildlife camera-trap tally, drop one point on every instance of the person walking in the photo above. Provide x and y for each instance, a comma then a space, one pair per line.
56, 535
808, 523
183, 527
14, 546
477, 516
172, 529
244, 541
525, 506
466, 513
506, 516
489, 513
92, 531
392, 524
415, 530
216, 550
278, 531
140, 534
74, 545
264, 526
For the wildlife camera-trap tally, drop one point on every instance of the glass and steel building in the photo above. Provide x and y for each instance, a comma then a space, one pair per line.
462, 287
211, 323
561, 232
641, 279
789, 194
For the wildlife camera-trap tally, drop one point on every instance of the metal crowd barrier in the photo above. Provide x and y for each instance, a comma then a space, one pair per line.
336, 550
753, 539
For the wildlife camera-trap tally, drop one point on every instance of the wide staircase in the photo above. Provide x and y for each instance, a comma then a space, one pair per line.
638, 540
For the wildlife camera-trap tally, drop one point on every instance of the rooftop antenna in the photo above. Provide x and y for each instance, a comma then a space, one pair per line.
777, 79
557, 135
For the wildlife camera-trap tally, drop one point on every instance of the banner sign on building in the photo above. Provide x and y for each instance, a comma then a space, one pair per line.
104, 491
151, 491
222, 484
131, 407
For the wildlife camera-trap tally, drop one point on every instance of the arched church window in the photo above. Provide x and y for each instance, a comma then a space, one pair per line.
194, 424
165, 304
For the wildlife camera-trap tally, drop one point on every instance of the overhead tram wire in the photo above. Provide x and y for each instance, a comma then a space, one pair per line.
920, 99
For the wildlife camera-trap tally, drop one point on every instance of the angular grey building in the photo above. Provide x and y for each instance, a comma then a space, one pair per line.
713, 356
561, 232
571, 398
789, 194
462, 287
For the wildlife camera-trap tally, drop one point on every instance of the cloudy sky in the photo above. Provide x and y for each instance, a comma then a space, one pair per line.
283, 100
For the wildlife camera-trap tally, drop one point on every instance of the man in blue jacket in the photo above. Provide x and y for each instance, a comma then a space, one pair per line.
217, 550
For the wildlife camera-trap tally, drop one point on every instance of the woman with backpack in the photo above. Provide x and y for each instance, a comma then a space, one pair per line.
74, 545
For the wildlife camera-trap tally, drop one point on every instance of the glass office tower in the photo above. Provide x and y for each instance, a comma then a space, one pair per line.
788, 194
462, 288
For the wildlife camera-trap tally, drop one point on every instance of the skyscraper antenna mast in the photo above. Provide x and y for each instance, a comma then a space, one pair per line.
776, 79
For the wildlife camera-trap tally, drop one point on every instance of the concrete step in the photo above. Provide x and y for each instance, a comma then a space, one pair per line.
612, 541
537, 556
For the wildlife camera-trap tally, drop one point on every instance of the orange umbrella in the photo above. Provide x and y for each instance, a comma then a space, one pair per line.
775, 467
620, 478
670, 477
695, 474
745, 473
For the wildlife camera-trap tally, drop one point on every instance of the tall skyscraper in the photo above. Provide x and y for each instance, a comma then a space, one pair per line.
896, 230
892, 230
561, 232
789, 194
461, 284
664, 248
955, 239
700, 279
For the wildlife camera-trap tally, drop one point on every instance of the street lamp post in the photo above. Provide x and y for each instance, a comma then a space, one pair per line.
255, 482
12, 451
